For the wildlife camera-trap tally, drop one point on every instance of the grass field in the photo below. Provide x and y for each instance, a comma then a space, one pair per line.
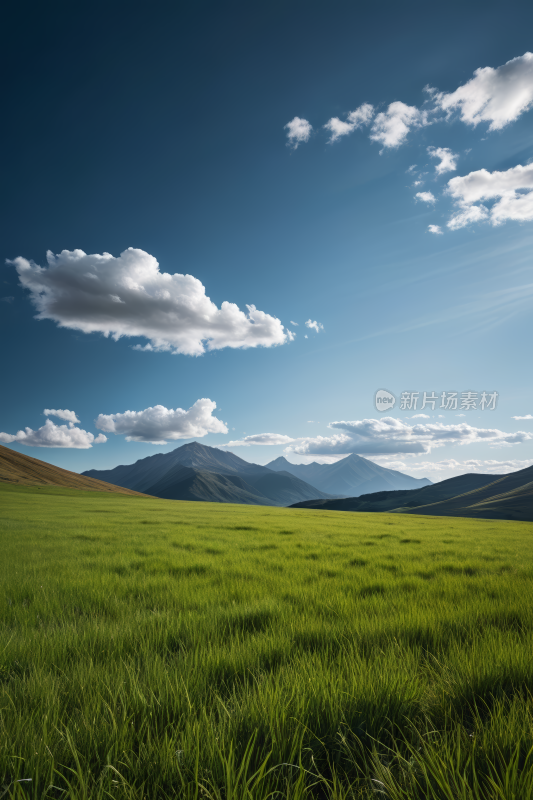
158, 649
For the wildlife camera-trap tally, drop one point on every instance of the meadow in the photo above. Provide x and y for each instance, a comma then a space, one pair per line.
160, 649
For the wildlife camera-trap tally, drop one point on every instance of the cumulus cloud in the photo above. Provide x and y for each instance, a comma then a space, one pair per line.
129, 296
52, 435
391, 127
498, 96
157, 424
298, 132
387, 436
435, 229
452, 466
316, 326
426, 197
447, 159
528, 416
62, 413
260, 438
512, 191
355, 119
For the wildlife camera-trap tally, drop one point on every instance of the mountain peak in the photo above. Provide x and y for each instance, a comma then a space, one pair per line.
193, 446
280, 461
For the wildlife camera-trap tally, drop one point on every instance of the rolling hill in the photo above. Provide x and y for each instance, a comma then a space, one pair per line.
407, 498
505, 497
471, 495
19, 469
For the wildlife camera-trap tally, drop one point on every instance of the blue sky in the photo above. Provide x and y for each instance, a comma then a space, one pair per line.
162, 129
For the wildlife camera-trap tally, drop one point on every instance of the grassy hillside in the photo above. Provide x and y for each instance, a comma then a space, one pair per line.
18, 469
159, 649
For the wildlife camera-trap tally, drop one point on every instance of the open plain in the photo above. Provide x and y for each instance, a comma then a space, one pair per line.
161, 649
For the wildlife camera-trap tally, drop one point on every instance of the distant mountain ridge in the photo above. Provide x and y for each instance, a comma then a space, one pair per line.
350, 477
195, 471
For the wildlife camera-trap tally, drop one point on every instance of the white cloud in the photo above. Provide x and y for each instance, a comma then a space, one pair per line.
260, 439
435, 229
52, 435
420, 416
294, 323
426, 197
467, 216
387, 436
158, 424
498, 96
528, 416
68, 416
451, 467
512, 191
306, 336
411, 168
391, 127
298, 132
355, 119
172, 311
316, 326
447, 159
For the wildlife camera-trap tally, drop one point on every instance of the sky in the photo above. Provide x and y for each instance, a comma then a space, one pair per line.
237, 222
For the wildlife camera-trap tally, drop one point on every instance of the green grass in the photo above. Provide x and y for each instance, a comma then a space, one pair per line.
159, 649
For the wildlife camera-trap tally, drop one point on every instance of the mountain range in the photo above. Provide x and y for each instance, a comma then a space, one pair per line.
470, 495
506, 497
349, 477
197, 472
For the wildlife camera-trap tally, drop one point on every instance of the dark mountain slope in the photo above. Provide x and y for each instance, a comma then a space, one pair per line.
505, 497
148, 471
471, 495
190, 484
349, 477
388, 501
284, 488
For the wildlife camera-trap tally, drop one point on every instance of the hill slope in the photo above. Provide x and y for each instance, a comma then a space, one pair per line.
22, 470
505, 497
389, 501
349, 477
